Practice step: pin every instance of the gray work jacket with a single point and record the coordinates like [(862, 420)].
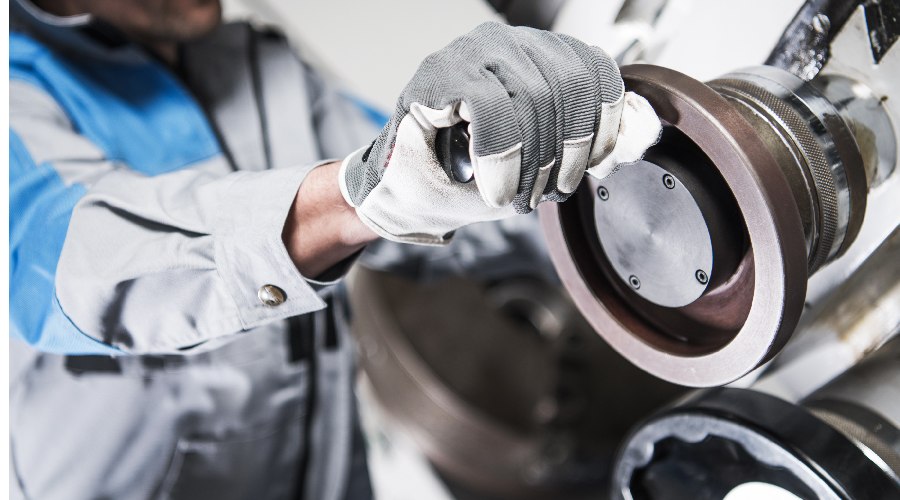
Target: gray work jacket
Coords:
[(146, 214)]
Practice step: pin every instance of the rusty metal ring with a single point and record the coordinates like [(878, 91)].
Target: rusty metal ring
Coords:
[(771, 216), (441, 421), (501, 407)]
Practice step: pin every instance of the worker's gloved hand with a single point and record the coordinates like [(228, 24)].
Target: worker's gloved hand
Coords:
[(541, 108)]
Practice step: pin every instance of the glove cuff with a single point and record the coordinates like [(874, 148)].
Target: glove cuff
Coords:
[(351, 159), (414, 239)]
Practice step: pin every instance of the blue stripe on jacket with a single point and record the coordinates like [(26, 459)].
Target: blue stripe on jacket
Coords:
[(137, 114), (40, 207)]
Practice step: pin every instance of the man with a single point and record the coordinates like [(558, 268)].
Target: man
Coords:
[(175, 234)]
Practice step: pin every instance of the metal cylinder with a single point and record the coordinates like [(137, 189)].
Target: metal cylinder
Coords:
[(815, 148), (771, 176), (865, 114), (841, 442)]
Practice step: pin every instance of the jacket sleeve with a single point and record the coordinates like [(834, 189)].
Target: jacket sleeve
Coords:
[(106, 260)]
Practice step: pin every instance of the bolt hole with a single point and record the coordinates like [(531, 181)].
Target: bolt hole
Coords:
[(669, 181), (634, 282), (701, 276)]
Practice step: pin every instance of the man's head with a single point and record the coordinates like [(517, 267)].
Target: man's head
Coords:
[(149, 21)]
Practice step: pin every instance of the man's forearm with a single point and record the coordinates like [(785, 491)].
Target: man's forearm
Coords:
[(322, 229)]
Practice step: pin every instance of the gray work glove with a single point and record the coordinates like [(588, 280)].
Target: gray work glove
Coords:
[(542, 108)]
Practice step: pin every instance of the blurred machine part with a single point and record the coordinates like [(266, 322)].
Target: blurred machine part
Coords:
[(503, 385), (678, 33), (538, 14), (694, 263), (858, 316), (842, 441), (634, 30)]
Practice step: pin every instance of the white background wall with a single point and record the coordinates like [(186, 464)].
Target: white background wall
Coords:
[(374, 46)]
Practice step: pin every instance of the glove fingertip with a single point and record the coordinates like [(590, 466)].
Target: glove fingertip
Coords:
[(640, 125), (575, 159), (497, 175)]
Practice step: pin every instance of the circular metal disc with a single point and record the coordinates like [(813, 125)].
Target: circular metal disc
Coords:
[(771, 217), (654, 235)]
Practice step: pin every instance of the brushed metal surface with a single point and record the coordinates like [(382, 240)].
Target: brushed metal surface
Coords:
[(654, 233)]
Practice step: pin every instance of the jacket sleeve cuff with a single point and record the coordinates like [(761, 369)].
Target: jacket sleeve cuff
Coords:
[(250, 253)]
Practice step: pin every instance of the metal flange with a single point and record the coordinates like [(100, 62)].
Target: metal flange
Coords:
[(746, 319)]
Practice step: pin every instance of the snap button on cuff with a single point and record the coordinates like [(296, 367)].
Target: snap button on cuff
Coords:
[(271, 295)]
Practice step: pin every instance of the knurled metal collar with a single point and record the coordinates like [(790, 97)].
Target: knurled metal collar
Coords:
[(832, 157), (822, 176)]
